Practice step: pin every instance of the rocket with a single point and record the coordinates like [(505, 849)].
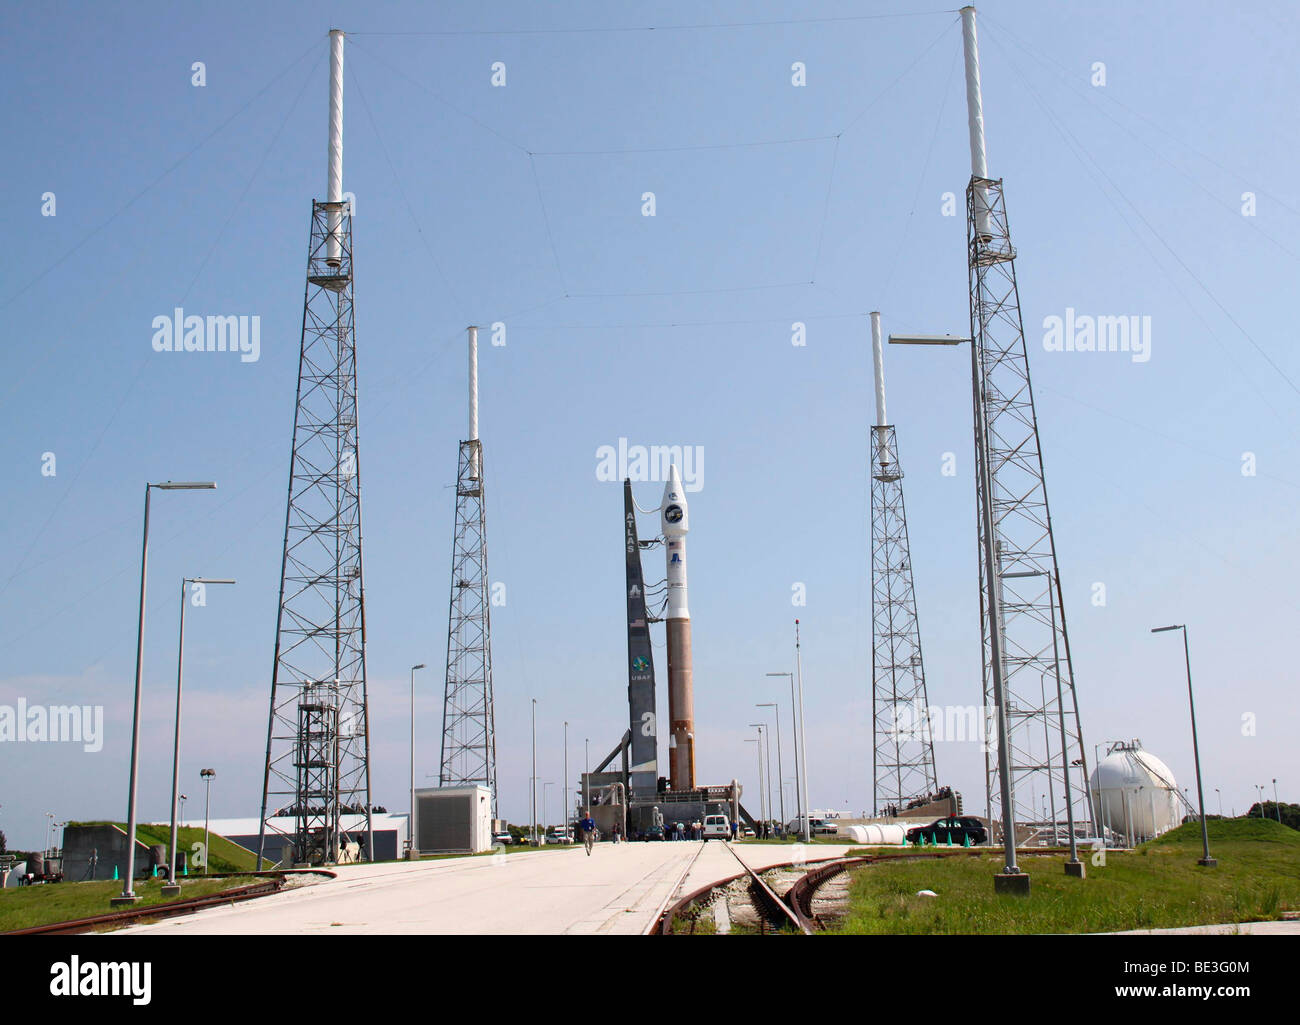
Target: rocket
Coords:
[(675, 523)]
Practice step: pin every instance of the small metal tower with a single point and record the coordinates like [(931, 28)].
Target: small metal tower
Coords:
[(469, 753), (318, 744), (1027, 660), (903, 766)]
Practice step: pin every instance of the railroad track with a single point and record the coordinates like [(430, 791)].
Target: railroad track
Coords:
[(796, 907), (272, 882)]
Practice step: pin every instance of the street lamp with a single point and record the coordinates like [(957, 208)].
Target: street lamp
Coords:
[(780, 774), (1205, 858), (1219, 793), (533, 786), (1259, 788), (764, 789), (759, 749), (128, 895), (410, 818), (566, 775), (803, 736), (173, 888), (1277, 808), (207, 776), (798, 800)]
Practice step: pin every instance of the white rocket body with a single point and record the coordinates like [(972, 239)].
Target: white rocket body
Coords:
[(334, 187), (674, 522)]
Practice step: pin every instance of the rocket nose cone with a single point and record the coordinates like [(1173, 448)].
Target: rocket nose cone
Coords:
[(672, 510)]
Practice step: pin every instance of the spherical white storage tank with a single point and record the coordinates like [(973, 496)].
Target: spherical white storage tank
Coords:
[(1134, 793)]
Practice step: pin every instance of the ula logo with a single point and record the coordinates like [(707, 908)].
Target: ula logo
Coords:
[(72, 978), (181, 333)]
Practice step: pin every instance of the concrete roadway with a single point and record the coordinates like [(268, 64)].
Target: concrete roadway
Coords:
[(620, 888)]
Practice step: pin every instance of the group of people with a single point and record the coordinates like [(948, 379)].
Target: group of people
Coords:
[(681, 831)]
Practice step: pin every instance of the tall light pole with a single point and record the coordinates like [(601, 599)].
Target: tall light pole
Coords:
[(780, 774), (207, 776), (1205, 858), (566, 775), (533, 787), (764, 780), (798, 799), (759, 742), (586, 775), (1219, 794), (1277, 808), (802, 753), (1259, 789), (128, 895), (172, 888), (410, 818)]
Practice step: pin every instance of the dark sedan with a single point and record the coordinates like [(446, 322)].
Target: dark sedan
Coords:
[(954, 830)]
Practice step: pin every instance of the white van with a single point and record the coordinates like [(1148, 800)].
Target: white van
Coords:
[(717, 827)]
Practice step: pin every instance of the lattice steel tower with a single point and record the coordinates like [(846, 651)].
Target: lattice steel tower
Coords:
[(1027, 660), (318, 744), (903, 765), (469, 751)]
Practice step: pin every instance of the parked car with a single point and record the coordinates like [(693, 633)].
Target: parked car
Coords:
[(558, 835), (504, 838), (746, 833), (952, 830), (717, 827)]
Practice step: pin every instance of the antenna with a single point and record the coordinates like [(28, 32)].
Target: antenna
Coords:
[(903, 761), (316, 781), (1025, 641), (468, 717)]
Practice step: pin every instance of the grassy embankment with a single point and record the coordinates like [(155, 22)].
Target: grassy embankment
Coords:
[(1158, 885)]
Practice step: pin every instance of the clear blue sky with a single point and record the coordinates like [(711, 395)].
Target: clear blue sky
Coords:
[(1124, 199)]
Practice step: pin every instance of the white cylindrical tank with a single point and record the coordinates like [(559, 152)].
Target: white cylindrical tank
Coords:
[(875, 834), (1134, 793)]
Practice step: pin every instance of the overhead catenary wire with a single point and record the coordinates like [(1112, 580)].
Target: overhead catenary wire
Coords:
[(162, 175), (1082, 152), (590, 29), (146, 359)]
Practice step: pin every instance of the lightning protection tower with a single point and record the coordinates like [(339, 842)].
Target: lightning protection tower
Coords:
[(903, 766), (318, 743), (469, 753), (1028, 676)]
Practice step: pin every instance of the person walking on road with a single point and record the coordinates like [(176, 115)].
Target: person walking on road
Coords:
[(588, 827)]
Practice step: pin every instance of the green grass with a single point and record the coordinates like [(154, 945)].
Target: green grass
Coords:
[(223, 856), (26, 906), (1159, 885)]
